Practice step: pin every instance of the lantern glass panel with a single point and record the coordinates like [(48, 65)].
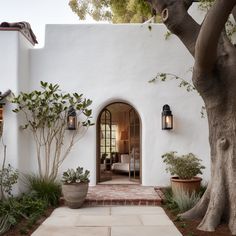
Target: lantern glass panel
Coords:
[(167, 122), (72, 122)]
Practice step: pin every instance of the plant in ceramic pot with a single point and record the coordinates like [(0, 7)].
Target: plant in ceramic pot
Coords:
[(75, 186), (184, 169)]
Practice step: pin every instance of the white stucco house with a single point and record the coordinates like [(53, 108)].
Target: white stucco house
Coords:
[(110, 64)]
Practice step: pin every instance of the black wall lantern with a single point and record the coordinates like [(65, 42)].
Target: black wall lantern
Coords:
[(71, 119), (167, 118)]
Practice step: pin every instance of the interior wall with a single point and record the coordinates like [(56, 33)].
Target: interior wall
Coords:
[(122, 120)]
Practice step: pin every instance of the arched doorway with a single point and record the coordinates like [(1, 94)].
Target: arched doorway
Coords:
[(119, 145)]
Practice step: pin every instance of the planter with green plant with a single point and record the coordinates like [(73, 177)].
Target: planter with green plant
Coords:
[(184, 169), (75, 186)]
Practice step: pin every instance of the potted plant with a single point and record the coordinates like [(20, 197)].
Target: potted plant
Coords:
[(75, 186), (184, 169)]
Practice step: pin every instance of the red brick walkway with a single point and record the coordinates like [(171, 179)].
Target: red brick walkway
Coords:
[(122, 195)]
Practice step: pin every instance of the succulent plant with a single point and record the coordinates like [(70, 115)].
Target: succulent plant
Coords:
[(75, 176)]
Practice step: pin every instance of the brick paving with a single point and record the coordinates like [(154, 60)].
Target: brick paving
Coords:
[(107, 195)]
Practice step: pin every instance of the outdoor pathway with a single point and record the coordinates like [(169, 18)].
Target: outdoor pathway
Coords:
[(122, 195), (108, 221)]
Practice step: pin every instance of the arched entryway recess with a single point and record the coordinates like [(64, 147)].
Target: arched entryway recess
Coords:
[(119, 159)]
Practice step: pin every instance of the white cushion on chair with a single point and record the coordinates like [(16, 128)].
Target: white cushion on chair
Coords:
[(124, 158)]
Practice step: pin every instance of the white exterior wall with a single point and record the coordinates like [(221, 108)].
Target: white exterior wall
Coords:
[(14, 67), (109, 63)]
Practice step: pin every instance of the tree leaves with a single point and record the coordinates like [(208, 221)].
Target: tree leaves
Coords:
[(182, 82), (43, 108), (117, 11)]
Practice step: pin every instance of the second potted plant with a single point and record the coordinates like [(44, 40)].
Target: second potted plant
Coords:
[(184, 169), (75, 186)]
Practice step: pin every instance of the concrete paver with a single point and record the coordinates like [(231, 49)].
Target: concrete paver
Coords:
[(65, 221), (155, 220), (145, 231), (62, 211), (108, 221), (46, 230), (137, 210)]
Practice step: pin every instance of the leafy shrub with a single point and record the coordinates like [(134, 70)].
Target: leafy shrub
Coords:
[(13, 210), (169, 201), (75, 176), (45, 189), (184, 166), (8, 177)]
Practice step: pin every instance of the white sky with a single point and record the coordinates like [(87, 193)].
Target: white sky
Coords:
[(38, 13)]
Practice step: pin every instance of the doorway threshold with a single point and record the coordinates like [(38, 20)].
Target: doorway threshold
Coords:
[(121, 179)]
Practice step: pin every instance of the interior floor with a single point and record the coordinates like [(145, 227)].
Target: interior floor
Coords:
[(121, 179)]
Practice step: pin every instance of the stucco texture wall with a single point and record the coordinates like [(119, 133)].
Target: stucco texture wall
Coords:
[(110, 63)]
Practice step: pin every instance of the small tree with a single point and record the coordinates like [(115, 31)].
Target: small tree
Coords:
[(45, 114)]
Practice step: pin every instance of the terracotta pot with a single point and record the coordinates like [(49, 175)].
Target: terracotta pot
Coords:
[(188, 185), (75, 194)]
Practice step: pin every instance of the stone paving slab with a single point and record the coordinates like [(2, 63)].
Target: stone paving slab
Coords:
[(108, 221), (137, 210), (45, 230), (155, 220), (62, 211), (145, 231)]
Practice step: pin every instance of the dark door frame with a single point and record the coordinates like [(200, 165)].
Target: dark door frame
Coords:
[(98, 140)]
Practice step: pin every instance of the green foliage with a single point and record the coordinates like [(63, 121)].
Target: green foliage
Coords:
[(167, 35), (75, 176), (184, 200), (202, 189), (45, 189), (182, 84), (45, 108), (169, 201), (8, 177), (13, 210), (184, 166), (117, 11), (4, 224), (168, 76), (45, 113), (205, 5)]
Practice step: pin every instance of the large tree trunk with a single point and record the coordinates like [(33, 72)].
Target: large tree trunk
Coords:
[(214, 76)]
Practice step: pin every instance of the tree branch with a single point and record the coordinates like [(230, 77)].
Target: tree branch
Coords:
[(208, 39), (178, 21)]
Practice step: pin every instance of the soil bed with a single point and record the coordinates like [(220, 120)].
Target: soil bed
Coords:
[(189, 228)]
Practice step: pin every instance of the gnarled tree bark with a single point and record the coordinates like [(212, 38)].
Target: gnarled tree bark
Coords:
[(214, 76)]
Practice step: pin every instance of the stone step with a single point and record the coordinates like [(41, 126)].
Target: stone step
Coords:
[(136, 195)]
